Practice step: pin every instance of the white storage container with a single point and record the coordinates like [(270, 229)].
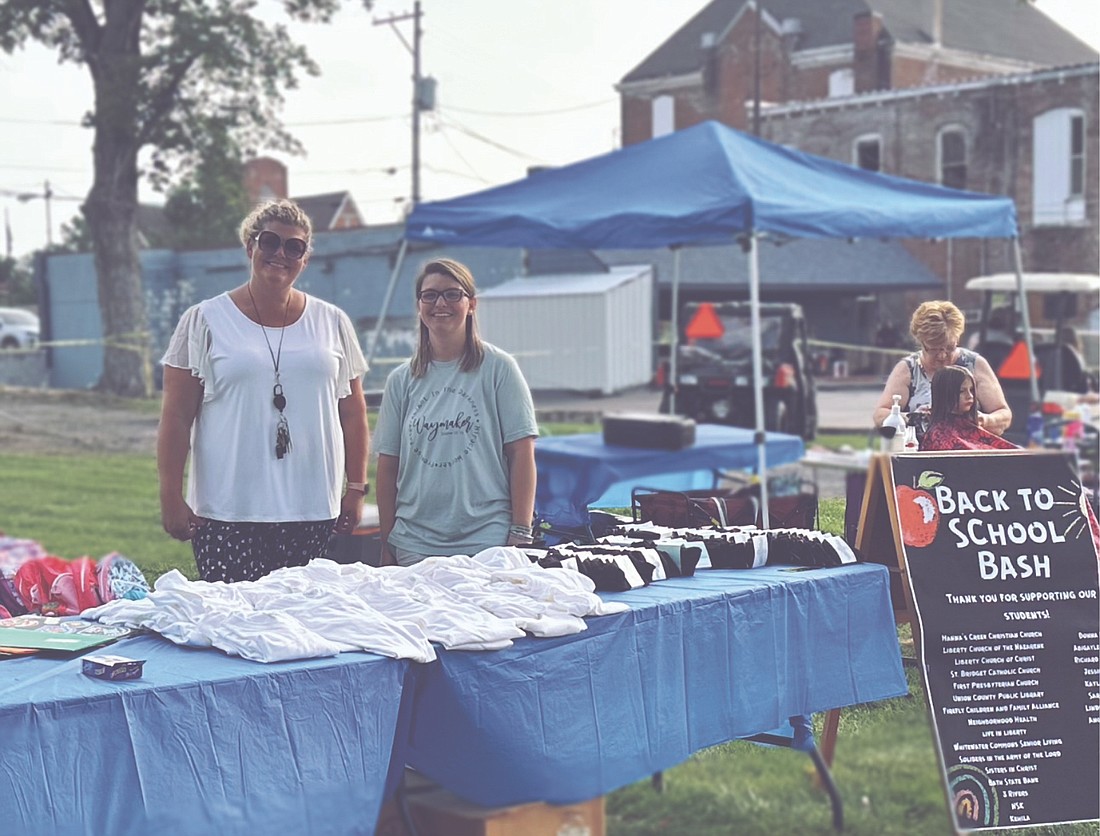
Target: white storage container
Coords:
[(589, 332)]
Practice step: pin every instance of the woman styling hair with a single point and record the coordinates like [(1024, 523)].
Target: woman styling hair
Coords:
[(262, 387), (937, 327)]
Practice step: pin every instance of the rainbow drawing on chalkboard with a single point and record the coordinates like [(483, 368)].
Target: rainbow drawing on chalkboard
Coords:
[(917, 511), (973, 798)]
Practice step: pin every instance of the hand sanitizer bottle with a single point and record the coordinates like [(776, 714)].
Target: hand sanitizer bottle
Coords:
[(893, 442)]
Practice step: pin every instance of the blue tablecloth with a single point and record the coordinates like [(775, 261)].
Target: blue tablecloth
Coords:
[(697, 661), (208, 743), (578, 471), (204, 743)]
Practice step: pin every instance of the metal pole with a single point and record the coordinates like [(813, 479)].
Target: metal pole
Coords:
[(760, 437), (1025, 314), (672, 378), (47, 194), (386, 300), (417, 32)]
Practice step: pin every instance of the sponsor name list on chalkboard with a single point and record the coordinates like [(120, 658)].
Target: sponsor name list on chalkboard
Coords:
[(1003, 571)]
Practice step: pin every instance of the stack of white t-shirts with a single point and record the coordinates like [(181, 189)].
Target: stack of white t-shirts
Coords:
[(324, 608)]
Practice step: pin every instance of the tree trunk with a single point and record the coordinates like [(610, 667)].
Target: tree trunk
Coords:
[(111, 208), (126, 366)]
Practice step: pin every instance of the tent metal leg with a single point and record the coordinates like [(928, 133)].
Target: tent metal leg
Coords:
[(830, 787)]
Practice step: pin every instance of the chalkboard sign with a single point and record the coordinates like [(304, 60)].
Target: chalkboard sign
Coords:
[(1002, 571)]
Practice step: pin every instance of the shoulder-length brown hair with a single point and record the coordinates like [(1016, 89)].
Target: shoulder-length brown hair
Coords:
[(474, 352), (947, 383)]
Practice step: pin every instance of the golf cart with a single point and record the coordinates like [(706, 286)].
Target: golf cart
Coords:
[(1061, 365), (714, 367)]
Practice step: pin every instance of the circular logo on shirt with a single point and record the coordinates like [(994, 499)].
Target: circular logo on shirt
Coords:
[(444, 426)]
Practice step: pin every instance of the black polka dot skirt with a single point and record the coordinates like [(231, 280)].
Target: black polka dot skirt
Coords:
[(245, 551)]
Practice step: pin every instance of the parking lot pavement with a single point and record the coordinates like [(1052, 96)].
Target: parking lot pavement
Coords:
[(840, 408)]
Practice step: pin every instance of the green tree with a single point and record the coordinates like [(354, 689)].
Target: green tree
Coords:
[(75, 236), (163, 72), (206, 208), (16, 283)]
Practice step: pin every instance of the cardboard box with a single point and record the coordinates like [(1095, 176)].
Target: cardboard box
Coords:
[(112, 667), (436, 812)]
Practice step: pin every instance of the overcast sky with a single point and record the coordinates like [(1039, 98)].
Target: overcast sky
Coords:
[(520, 83)]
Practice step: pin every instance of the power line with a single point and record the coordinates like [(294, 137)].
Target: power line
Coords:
[(9, 120), (454, 123), (351, 120), (507, 114)]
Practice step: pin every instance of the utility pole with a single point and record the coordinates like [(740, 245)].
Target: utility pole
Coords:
[(423, 89), (46, 195)]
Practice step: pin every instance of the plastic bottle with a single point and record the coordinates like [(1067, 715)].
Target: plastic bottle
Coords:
[(1071, 432), (893, 442), (911, 445)]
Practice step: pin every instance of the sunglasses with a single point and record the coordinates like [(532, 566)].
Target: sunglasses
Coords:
[(451, 294), (269, 244)]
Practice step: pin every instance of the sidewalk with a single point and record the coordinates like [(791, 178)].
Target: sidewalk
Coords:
[(844, 405)]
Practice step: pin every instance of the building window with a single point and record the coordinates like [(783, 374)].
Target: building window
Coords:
[(952, 155), (1058, 167), (663, 115), (867, 153), (1077, 155), (841, 83)]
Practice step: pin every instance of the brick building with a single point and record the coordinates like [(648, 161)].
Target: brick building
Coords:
[(986, 95)]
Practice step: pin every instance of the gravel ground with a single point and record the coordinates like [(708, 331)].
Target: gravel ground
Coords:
[(58, 421)]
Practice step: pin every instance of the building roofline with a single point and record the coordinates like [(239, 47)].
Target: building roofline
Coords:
[(953, 88)]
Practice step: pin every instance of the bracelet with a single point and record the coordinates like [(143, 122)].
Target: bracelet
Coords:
[(522, 531), (362, 487)]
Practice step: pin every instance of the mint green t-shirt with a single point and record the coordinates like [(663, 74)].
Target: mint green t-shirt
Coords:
[(448, 429)]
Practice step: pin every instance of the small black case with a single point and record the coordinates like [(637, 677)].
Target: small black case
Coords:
[(655, 432)]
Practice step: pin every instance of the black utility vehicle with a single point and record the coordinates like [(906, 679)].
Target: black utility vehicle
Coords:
[(714, 367)]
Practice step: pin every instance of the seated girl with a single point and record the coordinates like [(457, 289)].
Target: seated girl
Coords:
[(954, 421)]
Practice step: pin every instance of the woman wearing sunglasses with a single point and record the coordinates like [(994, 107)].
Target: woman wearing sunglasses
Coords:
[(455, 434), (262, 386), (937, 327)]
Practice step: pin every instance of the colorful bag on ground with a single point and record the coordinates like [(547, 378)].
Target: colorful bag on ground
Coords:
[(35, 584), (75, 589), (119, 577), (10, 599)]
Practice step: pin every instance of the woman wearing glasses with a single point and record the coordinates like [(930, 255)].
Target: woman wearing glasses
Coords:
[(262, 385), (936, 327), (455, 434)]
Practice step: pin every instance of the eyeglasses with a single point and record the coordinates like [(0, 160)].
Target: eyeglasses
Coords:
[(946, 351), (451, 294), (269, 244)]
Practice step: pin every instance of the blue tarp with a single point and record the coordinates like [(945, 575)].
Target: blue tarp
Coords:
[(703, 185)]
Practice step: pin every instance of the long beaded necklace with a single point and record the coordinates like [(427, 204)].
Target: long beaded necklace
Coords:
[(278, 400)]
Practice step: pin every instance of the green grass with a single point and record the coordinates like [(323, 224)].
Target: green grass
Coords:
[(90, 505), (885, 764)]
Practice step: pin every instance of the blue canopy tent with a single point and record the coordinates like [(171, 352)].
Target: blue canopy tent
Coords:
[(709, 184)]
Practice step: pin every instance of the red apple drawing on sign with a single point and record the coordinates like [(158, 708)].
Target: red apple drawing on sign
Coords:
[(920, 518)]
